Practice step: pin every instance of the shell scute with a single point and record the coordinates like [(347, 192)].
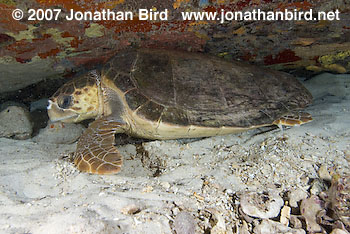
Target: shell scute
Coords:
[(154, 77), (150, 111), (123, 82), (124, 61), (175, 116), (134, 99)]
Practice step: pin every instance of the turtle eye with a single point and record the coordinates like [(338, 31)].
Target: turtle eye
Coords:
[(64, 101)]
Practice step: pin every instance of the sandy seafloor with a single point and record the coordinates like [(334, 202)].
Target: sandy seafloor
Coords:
[(41, 192)]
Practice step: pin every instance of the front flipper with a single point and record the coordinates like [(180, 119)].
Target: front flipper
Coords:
[(95, 151)]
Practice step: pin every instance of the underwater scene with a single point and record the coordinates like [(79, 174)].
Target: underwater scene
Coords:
[(174, 116)]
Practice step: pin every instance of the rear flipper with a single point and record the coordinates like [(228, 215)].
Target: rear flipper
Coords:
[(293, 119)]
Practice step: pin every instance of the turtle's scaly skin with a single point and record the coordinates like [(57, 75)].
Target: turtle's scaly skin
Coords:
[(96, 152), (159, 94)]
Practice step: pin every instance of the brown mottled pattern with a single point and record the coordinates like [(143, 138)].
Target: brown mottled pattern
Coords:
[(95, 151), (293, 119), (79, 83)]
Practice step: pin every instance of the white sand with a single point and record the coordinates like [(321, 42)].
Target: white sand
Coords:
[(41, 192)]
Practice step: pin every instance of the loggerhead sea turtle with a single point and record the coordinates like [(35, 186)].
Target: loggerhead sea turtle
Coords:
[(161, 94)]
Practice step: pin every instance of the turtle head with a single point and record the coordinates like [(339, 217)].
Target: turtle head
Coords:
[(77, 100)]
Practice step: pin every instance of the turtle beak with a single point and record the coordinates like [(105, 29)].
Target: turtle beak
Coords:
[(58, 114), (49, 105)]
